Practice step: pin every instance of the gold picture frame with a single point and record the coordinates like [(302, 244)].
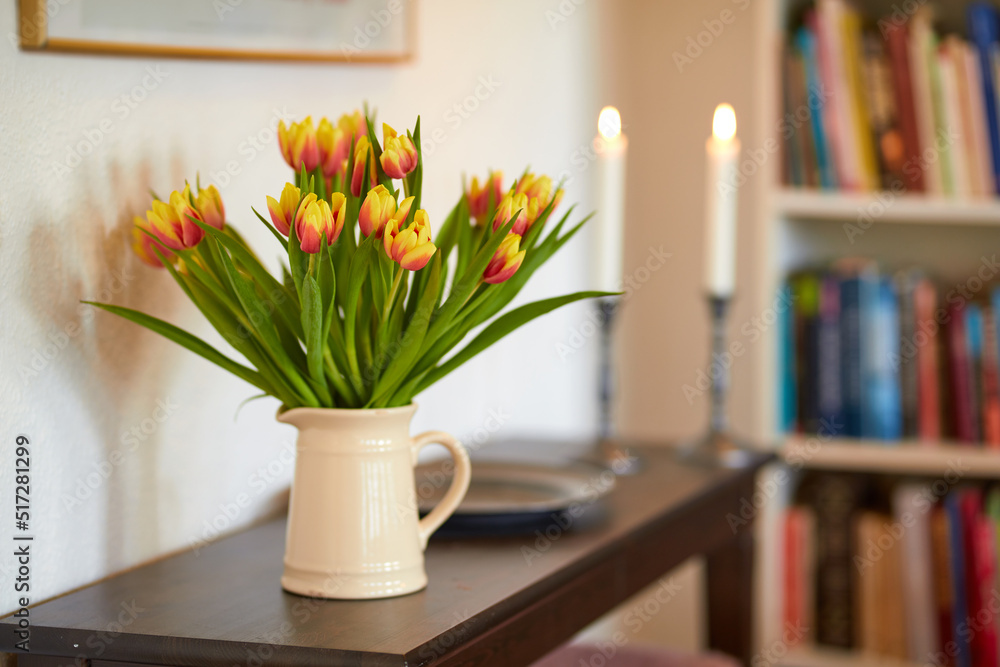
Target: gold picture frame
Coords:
[(397, 17)]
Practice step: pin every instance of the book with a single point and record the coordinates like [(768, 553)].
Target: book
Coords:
[(941, 558), (788, 383), (928, 355), (833, 65), (887, 137), (990, 368), (805, 41), (912, 509), (948, 111), (897, 47), (881, 413), (960, 379), (978, 124), (956, 561), (799, 569), (858, 97), (858, 296), (921, 50), (907, 359), (805, 292), (985, 36), (835, 499), (829, 400)]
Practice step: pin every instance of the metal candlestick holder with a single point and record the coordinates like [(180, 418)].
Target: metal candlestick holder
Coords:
[(613, 454), (717, 448)]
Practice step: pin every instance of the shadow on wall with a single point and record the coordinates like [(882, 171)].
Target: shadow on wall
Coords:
[(106, 361)]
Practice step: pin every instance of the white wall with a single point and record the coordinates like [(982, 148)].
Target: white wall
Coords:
[(77, 384)]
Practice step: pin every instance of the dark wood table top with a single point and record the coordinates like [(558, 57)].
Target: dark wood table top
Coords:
[(225, 606)]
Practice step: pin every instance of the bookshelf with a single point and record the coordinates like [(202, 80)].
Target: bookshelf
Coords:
[(793, 227), (908, 209), (900, 458)]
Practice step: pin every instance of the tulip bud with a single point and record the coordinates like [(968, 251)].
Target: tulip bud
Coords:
[(411, 247), (538, 190), (209, 205), (298, 144), (479, 197), (362, 152), (510, 204), (505, 262), (353, 125), (377, 209), (172, 222), (316, 220), (300, 213), (399, 155), (338, 208), (143, 245), (283, 211), (333, 145)]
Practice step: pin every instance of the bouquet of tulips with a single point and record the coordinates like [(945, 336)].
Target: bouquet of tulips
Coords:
[(370, 306)]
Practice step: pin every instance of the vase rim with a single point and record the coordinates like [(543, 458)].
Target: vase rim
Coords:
[(287, 416)]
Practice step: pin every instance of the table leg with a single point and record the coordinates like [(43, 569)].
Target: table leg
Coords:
[(729, 574)]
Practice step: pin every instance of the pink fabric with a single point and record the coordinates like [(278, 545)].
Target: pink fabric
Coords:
[(609, 655)]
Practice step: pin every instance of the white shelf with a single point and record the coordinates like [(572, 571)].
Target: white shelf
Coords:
[(831, 657), (904, 457), (805, 204)]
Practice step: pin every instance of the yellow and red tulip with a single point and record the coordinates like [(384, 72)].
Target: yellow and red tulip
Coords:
[(315, 221), (209, 205), (299, 145), (538, 190), (479, 196), (399, 155), (506, 260), (410, 247), (143, 244), (378, 208), (363, 154), (333, 146), (509, 205), (283, 210), (172, 223)]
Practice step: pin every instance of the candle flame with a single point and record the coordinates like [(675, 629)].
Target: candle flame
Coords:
[(609, 123), (724, 122)]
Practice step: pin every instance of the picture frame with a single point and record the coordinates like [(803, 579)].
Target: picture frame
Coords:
[(362, 31)]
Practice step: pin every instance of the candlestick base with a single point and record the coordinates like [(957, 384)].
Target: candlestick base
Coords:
[(716, 450)]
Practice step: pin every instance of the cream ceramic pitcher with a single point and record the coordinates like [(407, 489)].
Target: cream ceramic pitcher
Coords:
[(353, 527)]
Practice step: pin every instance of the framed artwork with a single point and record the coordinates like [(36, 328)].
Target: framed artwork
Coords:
[(322, 30)]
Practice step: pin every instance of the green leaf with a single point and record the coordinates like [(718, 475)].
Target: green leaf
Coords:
[(409, 346), (358, 272), (502, 326), (191, 342), (278, 235), (312, 325)]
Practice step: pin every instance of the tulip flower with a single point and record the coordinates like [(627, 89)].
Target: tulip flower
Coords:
[(333, 146), (505, 262), (172, 223), (315, 221), (538, 190), (353, 126), (283, 211), (410, 247), (479, 197), (143, 244), (209, 205), (399, 155), (404, 210), (299, 145), (362, 152), (510, 204), (378, 208)]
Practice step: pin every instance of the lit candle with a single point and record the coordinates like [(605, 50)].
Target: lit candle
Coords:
[(723, 151), (611, 146)]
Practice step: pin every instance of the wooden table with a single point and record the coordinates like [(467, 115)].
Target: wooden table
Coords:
[(489, 602)]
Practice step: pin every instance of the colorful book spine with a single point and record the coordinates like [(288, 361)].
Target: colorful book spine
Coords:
[(896, 37), (830, 403), (985, 35), (960, 609), (805, 40)]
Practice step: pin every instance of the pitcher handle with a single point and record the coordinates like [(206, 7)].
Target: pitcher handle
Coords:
[(459, 481)]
